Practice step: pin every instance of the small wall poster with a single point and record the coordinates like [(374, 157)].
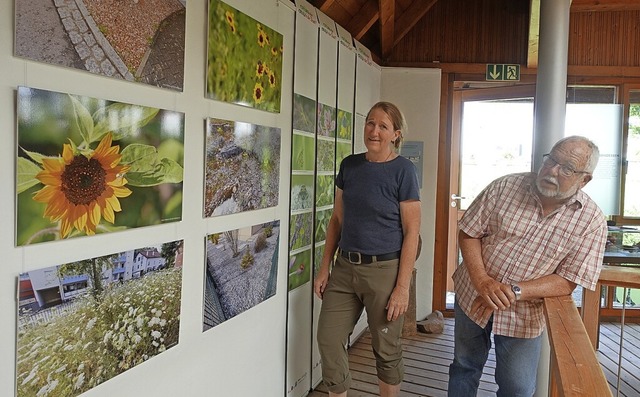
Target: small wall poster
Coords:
[(413, 150)]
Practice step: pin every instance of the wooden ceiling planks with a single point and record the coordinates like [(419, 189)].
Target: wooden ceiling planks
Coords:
[(603, 32)]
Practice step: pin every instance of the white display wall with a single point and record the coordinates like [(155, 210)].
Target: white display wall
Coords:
[(417, 94), (268, 350), (326, 75), (244, 356)]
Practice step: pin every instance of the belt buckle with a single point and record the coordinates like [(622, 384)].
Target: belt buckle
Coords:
[(357, 255)]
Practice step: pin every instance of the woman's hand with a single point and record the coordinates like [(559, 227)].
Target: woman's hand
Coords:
[(321, 281), (398, 303)]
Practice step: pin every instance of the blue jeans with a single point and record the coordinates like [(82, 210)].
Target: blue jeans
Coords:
[(516, 360)]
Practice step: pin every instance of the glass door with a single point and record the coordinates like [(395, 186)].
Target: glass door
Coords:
[(492, 135)]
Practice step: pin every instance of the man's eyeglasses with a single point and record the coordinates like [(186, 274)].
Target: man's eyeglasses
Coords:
[(565, 170)]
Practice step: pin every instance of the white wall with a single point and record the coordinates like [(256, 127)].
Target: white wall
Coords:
[(417, 93), (242, 357)]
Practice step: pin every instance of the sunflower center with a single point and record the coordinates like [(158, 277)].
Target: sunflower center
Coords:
[(83, 180)]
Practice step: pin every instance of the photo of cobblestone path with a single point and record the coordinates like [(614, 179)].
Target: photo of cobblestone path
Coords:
[(134, 40)]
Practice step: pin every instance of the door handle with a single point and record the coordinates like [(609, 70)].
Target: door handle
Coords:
[(455, 197)]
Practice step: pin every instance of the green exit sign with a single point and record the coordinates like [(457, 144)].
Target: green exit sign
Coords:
[(503, 72)]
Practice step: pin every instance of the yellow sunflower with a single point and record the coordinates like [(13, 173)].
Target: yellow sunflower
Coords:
[(262, 38), (81, 189), (260, 69), (230, 20), (272, 79), (258, 93)]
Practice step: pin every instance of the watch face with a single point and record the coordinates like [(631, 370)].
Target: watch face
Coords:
[(516, 290)]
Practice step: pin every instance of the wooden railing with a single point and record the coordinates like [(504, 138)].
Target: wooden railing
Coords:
[(574, 367)]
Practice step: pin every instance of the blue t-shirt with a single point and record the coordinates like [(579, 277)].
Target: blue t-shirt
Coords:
[(371, 196)]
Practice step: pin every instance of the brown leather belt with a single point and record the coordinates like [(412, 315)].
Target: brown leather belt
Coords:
[(357, 258)]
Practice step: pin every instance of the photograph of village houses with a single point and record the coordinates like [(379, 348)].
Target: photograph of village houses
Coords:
[(82, 323)]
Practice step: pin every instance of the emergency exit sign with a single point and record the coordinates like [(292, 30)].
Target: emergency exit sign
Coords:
[(503, 72)]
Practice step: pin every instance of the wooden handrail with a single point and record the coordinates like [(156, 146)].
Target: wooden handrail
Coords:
[(574, 369)]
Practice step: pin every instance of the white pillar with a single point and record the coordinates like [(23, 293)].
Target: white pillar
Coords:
[(549, 113), (551, 83)]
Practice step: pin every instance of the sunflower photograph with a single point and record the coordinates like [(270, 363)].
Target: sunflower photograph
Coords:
[(87, 166)]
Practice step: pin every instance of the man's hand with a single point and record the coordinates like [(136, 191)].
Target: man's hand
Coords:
[(480, 307), (497, 295), (398, 303)]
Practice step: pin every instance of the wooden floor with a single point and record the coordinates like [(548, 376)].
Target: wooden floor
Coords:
[(427, 358)]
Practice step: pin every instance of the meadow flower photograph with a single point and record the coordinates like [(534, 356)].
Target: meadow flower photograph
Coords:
[(242, 167), (87, 166), (83, 323), (326, 120), (345, 125), (304, 113), (301, 192), (240, 271), (244, 59), (300, 230)]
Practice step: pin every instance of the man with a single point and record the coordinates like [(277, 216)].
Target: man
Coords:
[(525, 237)]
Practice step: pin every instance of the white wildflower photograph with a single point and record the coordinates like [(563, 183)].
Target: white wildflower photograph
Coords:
[(82, 323)]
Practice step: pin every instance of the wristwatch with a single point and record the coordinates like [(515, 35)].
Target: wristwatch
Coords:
[(516, 290)]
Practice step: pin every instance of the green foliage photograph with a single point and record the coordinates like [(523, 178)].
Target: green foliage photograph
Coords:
[(299, 269), (324, 190), (303, 152)]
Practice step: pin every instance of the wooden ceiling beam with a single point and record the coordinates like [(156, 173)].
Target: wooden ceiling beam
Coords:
[(323, 5), (602, 5), (387, 11), (410, 18), (364, 19)]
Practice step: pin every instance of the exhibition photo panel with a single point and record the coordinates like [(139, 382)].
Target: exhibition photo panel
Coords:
[(87, 165), (241, 271), (140, 41), (82, 323), (242, 167), (244, 59)]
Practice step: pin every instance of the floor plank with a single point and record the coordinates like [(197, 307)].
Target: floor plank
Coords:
[(427, 358)]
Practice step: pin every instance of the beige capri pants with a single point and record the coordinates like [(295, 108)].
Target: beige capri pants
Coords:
[(351, 289)]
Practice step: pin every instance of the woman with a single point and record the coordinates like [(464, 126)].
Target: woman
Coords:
[(373, 235)]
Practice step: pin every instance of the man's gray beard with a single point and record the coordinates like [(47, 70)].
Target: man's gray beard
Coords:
[(555, 193)]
